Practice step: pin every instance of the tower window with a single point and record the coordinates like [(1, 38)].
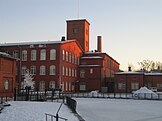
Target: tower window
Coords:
[(75, 30)]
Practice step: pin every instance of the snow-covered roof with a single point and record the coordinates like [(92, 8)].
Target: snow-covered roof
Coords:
[(36, 42), (89, 57), (90, 52), (129, 72), (89, 65), (134, 72), (6, 55), (152, 74)]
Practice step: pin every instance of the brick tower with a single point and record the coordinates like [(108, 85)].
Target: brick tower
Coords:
[(79, 30)]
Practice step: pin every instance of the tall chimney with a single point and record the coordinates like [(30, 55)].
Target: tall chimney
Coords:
[(99, 43), (63, 38)]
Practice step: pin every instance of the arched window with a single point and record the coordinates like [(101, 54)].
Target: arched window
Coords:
[(33, 70), (52, 70), (42, 70), (42, 85), (6, 85), (52, 54), (24, 55), (23, 70), (43, 54), (52, 84), (33, 55)]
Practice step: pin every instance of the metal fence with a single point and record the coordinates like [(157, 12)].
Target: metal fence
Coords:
[(55, 95), (71, 103)]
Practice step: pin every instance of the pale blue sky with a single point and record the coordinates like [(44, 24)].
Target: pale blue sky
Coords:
[(131, 30)]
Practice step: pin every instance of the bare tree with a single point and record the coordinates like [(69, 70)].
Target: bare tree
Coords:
[(147, 65), (150, 65)]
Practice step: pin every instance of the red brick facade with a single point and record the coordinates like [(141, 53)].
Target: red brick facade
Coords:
[(127, 82), (67, 55), (7, 76), (79, 30), (96, 70)]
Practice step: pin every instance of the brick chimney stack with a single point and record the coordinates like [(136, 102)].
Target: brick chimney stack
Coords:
[(99, 43)]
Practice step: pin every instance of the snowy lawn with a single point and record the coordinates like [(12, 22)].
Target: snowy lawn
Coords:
[(119, 109), (34, 111)]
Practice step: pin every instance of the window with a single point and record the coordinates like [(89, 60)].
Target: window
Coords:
[(33, 55), (67, 56), (63, 70), (72, 72), (69, 86), (70, 57), (69, 71), (78, 61), (75, 30), (66, 86), (82, 86), (82, 74), (52, 84), (6, 85), (134, 86), (52, 70), (33, 70), (53, 54), (91, 70), (63, 55), (159, 86), (43, 54), (42, 70), (15, 55), (24, 55), (75, 59), (75, 73), (121, 86), (66, 71), (23, 70), (41, 85)]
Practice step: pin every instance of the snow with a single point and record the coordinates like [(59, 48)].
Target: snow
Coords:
[(94, 94), (34, 111), (88, 57), (144, 92), (119, 109), (36, 42), (91, 109)]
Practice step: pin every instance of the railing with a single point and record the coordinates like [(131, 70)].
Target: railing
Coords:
[(57, 115), (52, 117), (71, 103), (35, 95)]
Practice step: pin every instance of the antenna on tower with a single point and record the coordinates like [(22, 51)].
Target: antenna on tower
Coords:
[(78, 10)]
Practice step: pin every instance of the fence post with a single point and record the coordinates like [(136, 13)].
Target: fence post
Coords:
[(57, 117), (37, 94), (15, 94)]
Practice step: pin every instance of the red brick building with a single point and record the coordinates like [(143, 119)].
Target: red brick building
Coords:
[(126, 82), (96, 72), (59, 64), (53, 64), (7, 75)]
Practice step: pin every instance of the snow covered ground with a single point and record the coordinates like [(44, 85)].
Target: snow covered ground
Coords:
[(34, 111), (91, 109), (119, 109)]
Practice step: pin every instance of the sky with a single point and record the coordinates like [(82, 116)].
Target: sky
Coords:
[(131, 30)]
